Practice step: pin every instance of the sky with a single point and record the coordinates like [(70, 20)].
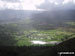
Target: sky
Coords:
[(29, 4)]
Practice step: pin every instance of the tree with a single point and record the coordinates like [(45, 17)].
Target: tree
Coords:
[(6, 36)]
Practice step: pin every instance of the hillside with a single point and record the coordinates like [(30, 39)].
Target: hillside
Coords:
[(68, 45)]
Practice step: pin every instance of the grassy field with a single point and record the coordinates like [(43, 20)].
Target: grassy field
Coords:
[(22, 34), (46, 36)]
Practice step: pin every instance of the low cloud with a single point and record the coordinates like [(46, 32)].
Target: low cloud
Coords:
[(31, 4), (12, 0)]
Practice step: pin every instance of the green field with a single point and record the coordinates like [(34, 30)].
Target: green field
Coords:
[(22, 34), (47, 36)]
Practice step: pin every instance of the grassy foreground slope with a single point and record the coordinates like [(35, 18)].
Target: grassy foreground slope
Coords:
[(67, 46)]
